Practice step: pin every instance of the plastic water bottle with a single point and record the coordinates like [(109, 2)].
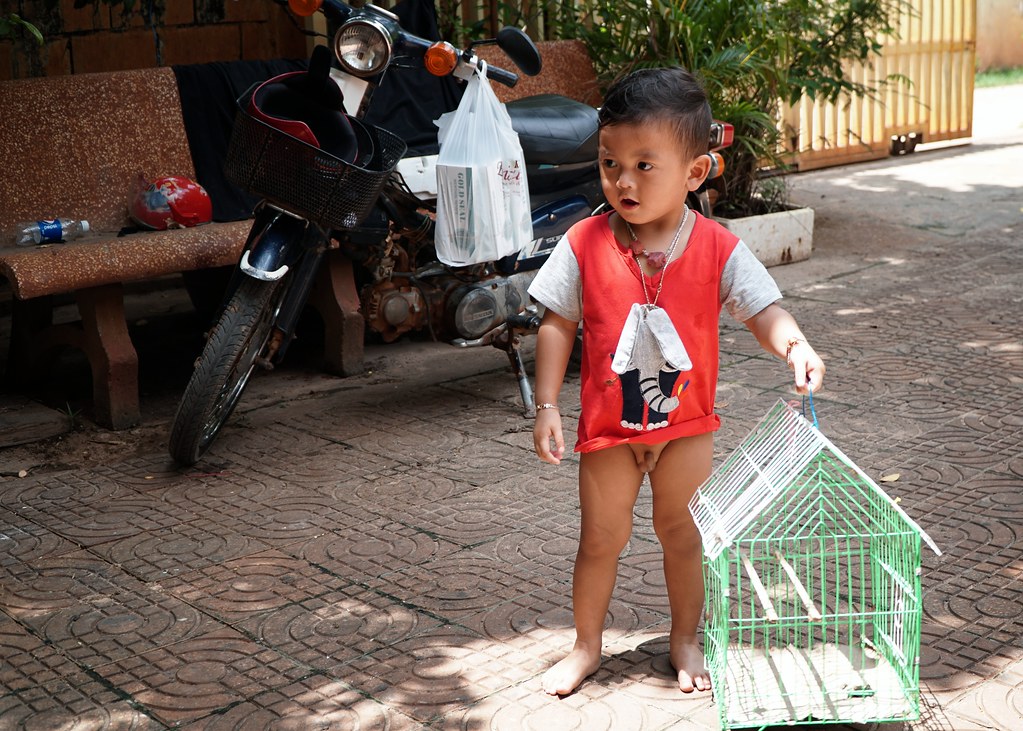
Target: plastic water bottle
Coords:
[(52, 231)]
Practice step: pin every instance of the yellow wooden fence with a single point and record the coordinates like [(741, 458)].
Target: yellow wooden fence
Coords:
[(935, 52)]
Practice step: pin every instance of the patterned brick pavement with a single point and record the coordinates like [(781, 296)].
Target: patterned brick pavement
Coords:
[(390, 555)]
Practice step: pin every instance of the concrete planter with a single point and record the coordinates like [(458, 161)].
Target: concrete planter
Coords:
[(775, 238)]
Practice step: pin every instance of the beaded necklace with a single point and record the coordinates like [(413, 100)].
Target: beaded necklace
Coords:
[(656, 259)]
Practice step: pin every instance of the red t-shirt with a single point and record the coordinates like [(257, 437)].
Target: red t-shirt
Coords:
[(621, 409)]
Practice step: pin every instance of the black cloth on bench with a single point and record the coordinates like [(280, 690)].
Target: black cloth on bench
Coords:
[(209, 94)]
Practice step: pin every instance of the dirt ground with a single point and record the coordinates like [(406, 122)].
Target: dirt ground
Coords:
[(78, 443), (51, 428)]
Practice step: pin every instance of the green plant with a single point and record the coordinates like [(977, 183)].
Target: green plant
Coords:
[(753, 56), (73, 416), (12, 22), (999, 77), (773, 190)]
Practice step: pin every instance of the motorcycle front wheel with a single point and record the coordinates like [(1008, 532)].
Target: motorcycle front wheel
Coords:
[(221, 373)]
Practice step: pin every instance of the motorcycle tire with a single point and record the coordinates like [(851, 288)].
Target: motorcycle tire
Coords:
[(222, 371)]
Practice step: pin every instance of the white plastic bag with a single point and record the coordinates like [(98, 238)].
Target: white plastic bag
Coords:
[(482, 195)]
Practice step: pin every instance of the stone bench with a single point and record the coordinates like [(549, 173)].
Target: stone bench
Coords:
[(80, 141), (567, 71)]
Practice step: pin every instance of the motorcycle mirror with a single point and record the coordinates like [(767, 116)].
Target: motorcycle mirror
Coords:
[(520, 49)]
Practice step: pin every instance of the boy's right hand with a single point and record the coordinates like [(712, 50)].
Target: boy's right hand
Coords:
[(547, 429)]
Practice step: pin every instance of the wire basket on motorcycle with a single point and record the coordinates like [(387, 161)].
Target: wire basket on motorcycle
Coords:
[(293, 145)]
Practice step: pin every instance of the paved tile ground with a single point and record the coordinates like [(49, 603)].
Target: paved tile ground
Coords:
[(385, 552)]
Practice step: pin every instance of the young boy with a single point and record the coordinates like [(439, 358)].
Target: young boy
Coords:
[(648, 281)]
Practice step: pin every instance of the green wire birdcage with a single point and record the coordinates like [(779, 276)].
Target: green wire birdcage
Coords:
[(812, 577)]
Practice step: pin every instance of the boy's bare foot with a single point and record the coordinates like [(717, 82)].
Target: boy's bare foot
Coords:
[(566, 675), (687, 660)]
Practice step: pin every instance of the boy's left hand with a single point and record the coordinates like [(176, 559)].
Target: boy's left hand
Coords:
[(547, 431), (807, 367)]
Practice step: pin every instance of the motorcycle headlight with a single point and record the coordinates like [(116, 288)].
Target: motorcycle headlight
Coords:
[(362, 47)]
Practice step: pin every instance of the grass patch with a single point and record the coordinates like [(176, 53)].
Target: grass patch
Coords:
[(999, 77)]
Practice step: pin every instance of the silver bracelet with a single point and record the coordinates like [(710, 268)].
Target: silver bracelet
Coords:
[(541, 407)]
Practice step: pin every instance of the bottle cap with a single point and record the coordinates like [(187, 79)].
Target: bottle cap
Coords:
[(85, 227)]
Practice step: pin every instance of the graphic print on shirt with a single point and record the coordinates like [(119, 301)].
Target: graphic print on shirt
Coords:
[(649, 359)]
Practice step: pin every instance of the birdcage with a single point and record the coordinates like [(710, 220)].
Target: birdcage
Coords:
[(812, 576)]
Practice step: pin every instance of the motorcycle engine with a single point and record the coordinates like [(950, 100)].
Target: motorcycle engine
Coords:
[(394, 307), (444, 304), (474, 310), (401, 297)]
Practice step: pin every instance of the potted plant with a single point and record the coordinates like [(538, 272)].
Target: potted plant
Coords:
[(753, 56)]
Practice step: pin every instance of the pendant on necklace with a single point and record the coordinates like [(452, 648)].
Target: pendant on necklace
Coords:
[(654, 258)]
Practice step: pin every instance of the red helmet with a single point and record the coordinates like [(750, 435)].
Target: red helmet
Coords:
[(169, 202), (309, 105)]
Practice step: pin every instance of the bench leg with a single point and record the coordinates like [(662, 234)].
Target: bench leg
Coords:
[(336, 299), (102, 335), (115, 364)]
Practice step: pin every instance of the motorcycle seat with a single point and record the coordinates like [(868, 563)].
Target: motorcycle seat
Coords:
[(554, 130)]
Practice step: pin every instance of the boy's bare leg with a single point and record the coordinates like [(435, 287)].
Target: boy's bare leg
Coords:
[(682, 467), (609, 482)]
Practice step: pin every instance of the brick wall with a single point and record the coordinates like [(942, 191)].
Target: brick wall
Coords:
[(99, 37)]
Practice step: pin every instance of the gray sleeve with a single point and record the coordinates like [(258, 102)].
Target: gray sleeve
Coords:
[(558, 286), (746, 287)]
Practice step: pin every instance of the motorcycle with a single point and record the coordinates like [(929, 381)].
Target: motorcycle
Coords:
[(332, 183)]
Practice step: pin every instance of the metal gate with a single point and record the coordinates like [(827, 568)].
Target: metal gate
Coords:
[(935, 52)]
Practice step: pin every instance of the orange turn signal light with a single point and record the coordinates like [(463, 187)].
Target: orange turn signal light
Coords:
[(304, 8), (441, 58), (718, 168)]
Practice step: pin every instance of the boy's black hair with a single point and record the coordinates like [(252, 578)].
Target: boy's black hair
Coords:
[(670, 94)]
